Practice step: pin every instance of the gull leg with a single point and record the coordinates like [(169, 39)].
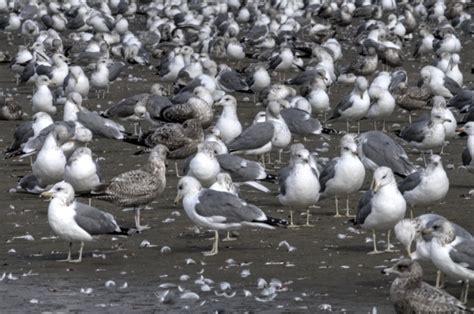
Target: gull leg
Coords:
[(269, 158), (68, 259), (228, 237), (374, 239), (358, 127), (347, 126), (439, 279), (375, 125), (465, 292), (308, 215), (348, 210), (137, 220), (280, 152), (411, 213), (214, 250), (409, 117), (383, 126), (389, 245), (291, 225), (337, 208), (176, 170), (79, 259)]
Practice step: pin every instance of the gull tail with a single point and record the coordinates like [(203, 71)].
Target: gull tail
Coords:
[(257, 186), (270, 178), (274, 222), (330, 131), (124, 231)]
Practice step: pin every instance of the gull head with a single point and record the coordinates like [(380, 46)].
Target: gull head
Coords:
[(405, 268), (442, 230), (348, 145), (62, 191), (187, 186), (383, 176)]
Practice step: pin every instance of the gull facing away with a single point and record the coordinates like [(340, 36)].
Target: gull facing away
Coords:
[(299, 184), (220, 210), (139, 187), (74, 221), (381, 207), (343, 175), (410, 294), (452, 255)]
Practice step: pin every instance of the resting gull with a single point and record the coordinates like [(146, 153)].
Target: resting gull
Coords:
[(220, 210), (381, 207), (49, 165), (299, 183), (139, 187), (10, 109), (281, 134), (343, 175), (204, 165), (43, 98), (427, 186), (377, 149), (81, 171), (410, 294), (452, 255), (74, 221)]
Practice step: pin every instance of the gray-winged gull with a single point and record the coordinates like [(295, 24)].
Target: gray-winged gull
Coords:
[(81, 171), (255, 140), (220, 210), (74, 221), (438, 83), (377, 149), (228, 122), (381, 207), (299, 184), (76, 81), (427, 186), (410, 294), (281, 134), (204, 165), (381, 106), (354, 106), (343, 175), (136, 188), (48, 167), (42, 99), (452, 255)]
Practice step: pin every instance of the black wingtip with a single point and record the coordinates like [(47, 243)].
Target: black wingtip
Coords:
[(276, 222), (330, 131), (270, 178)]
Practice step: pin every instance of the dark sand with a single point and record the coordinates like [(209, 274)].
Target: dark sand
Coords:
[(329, 266)]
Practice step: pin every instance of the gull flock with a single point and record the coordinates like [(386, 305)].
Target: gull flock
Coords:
[(278, 64)]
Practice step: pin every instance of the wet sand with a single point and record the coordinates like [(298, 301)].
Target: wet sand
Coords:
[(330, 266)]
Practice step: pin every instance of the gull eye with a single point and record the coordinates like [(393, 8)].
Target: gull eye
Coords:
[(180, 187), (384, 176)]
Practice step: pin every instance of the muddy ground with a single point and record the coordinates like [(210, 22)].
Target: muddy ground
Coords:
[(328, 269)]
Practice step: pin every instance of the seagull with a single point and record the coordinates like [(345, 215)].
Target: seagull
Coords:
[(10, 109), (354, 106), (438, 83), (281, 134), (451, 255), (74, 221), (426, 186), (381, 106), (220, 210), (381, 207), (138, 187), (104, 74), (204, 166), (426, 134), (43, 98), (49, 165), (468, 152), (411, 98), (410, 294), (81, 171), (343, 175), (76, 81), (299, 184), (377, 149), (228, 122)]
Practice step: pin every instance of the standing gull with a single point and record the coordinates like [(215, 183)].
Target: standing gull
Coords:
[(139, 187), (452, 255), (81, 171), (228, 122), (468, 152), (410, 294), (48, 167), (381, 207), (299, 185), (220, 210), (74, 221), (343, 175), (426, 186), (204, 166)]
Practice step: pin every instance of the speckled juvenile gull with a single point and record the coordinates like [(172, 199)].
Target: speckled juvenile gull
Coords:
[(377, 149), (73, 221), (343, 175), (452, 255), (411, 98), (194, 108), (136, 188), (410, 294), (220, 210), (427, 186), (10, 109), (381, 207), (81, 171), (299, 184)]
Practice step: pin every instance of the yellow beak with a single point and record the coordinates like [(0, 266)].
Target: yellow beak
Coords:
[(375, 186), (177, 199), (46, 194)]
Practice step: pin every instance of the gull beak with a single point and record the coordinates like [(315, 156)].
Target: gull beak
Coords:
[(427, 231), (387, 271), (375, 186), (306, 160), (355, 153), (177, 199), (46, 194), (460, 130), (447, 120)]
